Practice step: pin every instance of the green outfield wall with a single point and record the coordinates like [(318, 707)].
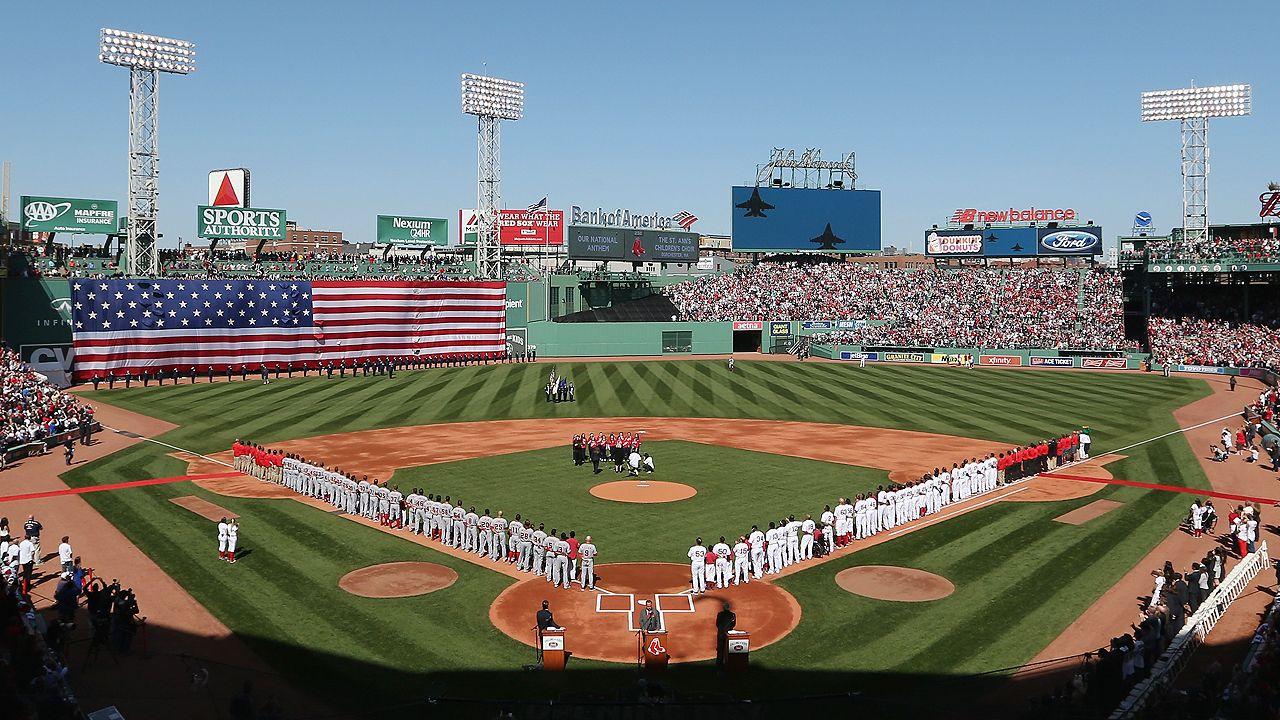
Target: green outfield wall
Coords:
[(36, 319), (554, 339)]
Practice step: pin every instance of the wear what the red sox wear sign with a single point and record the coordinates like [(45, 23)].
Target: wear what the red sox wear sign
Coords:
[(966, 216), (518, 227)]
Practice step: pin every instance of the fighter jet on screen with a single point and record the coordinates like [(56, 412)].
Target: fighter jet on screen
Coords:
[(755, 207), (827, 240)]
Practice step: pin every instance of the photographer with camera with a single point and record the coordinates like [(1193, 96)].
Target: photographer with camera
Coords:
[(125, 620)]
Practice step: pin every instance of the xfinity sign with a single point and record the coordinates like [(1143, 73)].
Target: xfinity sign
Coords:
[(622, 218), (240, 223)]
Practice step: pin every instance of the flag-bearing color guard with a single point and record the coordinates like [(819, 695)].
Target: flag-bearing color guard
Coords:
[(124, 326)]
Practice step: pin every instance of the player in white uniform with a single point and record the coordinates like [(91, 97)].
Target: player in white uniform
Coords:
[(756, 540), (724, 569), (563, 574), (807, 528), (538, 542), (793, 540), (394, 517), (549, 557), (472, 522), (222, 539), (741, 570), (697, 560), (233, 533), (484, 535), (587, 566), (773, 546), (363, 486), (498, 547), (459, 525)]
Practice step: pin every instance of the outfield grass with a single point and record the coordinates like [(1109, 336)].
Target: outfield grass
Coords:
[(1021, 578)]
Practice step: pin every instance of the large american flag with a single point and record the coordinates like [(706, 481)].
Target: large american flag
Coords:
[(129, 326)]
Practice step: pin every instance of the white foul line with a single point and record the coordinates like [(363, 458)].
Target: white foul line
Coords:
[(175, 447)]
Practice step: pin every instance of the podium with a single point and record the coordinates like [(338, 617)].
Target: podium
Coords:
[(654, 650), (739, 648), (552, 647)]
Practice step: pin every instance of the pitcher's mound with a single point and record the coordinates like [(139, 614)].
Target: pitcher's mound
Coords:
[(639, 490), (398, 579), (899, 584)]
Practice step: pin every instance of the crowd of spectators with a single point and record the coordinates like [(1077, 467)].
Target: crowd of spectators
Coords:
[(1263, 248), (1199, 341), (31, 408), (922, 307)]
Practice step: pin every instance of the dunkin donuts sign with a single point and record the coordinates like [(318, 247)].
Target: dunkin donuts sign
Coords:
[(1001, 360)]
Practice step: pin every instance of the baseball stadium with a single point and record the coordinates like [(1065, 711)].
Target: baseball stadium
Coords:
[(592, 460)]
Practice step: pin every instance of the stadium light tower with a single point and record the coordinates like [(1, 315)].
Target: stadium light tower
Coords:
[(1193, 107), (146, 56), (491, 100)]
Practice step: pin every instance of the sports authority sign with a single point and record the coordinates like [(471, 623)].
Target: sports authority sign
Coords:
[(518, 227), (240, 223), (69, 215), (1001, 360), (412, 231), (229, 188), (630, 220), (965, 216)]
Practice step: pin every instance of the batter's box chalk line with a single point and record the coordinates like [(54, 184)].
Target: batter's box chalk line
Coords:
[(675, 603)]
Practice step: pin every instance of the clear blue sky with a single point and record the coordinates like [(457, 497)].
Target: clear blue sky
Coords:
[(346, 110)]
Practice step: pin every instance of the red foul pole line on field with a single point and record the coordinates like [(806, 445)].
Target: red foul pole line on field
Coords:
[(116, 486), (1157, 486)]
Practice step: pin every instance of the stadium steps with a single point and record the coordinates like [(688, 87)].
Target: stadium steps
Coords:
[(1080, 276)]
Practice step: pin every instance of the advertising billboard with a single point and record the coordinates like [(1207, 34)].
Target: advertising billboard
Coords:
[(1005, 242), (767, 219), (593, 243), (240, 223), (69, 215), (518, 227), (229, 188), (407, 231), (1070, 241), (1039, 361)]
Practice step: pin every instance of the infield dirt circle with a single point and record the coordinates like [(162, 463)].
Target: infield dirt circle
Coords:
[(398, 579), (601, 623), (899, 584), (643, 491)]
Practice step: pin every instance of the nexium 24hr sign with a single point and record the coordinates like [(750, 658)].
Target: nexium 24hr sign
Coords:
[(240, 223)]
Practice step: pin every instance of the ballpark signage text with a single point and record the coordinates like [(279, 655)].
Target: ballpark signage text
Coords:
[(1106, 363), (1071, 241), (1038, 361), (420, 231), (240, 223), (748, 325), (965, 216), (518, 227), (936, 243), (1001, 360), (629, 219), (904, 357), (69, 215)]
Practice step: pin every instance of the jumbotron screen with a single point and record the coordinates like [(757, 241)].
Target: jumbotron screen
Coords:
[(770, 219)]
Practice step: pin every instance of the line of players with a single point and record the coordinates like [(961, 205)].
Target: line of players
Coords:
[(559, 557), (790, 540)]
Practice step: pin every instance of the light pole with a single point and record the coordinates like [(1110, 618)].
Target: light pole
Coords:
[(146, 56), (1193, 107), (491, 100)]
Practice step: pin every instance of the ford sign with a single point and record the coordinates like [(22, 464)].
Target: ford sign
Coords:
[(1080, 241)]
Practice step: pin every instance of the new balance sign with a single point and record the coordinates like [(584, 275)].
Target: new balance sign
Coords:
[(1001, 360)]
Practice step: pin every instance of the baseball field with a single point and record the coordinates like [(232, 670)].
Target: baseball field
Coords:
[(768, 439)]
